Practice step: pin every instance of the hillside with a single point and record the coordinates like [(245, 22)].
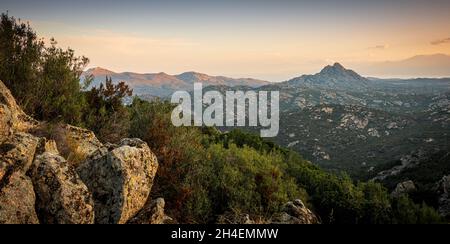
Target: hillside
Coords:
[(61, 174), (345, 122), (163, 85)]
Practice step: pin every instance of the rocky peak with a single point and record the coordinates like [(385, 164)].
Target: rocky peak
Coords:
[(336, 68), (339, 73), (192, 76), (334, 77), (98, 71)]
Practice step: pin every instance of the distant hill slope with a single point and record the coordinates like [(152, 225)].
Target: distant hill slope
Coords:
[(162, 84), (344, 121), (436, 65)]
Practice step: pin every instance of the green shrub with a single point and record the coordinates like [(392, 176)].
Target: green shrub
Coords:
[(44, 80)]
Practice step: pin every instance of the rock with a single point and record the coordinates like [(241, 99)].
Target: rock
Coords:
[(443, 191), (238, 218), (5, 123), (353, 122), (407, 162), (74, 143), (17, 153), (152, 214), (17, 200), (120, 179), (296, 213), (117, 178), (373, 132), (404, 188), (62, 198), (46, 146), (12, 118)]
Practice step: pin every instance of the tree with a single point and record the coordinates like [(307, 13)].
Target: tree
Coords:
[(20, 54), (105, 113), (44, 80)]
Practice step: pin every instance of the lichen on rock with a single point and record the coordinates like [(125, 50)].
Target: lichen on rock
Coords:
[(120, 179), (62, 198), (17, 200)]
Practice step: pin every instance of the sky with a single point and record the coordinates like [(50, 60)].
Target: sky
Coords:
[(271, 40)]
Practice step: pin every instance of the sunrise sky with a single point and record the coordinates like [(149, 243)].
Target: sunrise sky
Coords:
[(272, 40)]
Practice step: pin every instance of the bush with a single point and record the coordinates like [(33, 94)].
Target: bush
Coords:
[(44, 80), (201, 178), (105, 113)]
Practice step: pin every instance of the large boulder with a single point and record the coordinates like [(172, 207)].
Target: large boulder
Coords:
[(296, 213), (17, 153), (17, 200), (12, 118), (404, 188), (61, 196), (120, 179)]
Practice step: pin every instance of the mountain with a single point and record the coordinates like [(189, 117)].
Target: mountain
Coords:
[(332, 77), (163, 85), (345, 122), (437, 65)]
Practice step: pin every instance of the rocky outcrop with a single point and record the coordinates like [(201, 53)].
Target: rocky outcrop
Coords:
[(73, 143), (62, 198), (443, 190), (17, 153), (17, 200), (407, 162), (61, 174), (17, 197), (12, 118), (404, 188), (153, 213), (120, 179), (296, 213)]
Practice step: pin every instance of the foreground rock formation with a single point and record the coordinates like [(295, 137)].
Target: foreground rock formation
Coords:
[(61, 174), (120, 179), (62, 197), (17, 200), (12, 118)]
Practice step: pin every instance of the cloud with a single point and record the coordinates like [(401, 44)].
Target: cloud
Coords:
[(441, 41), (379, 47)]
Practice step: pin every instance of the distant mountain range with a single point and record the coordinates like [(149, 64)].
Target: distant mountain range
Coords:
[(163, 85), (437, 65), (334, 77)]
